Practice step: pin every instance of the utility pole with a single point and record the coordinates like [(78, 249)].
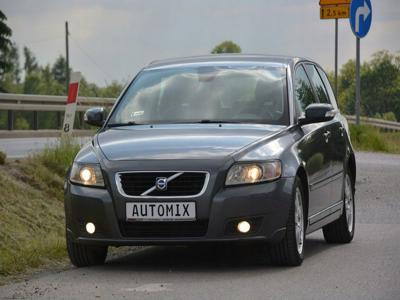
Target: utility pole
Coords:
[(66, 56), (336, 56)]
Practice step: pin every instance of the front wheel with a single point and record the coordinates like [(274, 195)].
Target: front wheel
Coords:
[(342, 230), (290, 251), (82, 255)]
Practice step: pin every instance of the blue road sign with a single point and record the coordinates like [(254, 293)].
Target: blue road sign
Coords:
[(360, 17)]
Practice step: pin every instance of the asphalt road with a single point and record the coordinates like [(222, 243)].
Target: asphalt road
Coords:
[(368, 268)]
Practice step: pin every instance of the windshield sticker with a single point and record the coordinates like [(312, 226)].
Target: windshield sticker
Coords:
[(137, 113)]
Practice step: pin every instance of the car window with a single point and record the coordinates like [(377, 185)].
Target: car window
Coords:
[(303, 91), (328, 87), (191, 94), (317, 83)]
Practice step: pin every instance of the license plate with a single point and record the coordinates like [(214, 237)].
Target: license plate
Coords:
[(161, 211)]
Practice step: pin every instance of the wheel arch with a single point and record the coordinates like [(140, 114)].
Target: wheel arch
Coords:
[(351, 165), (301, 173)]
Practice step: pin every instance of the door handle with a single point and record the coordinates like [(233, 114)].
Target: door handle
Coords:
[(341, 129), (327, 135)]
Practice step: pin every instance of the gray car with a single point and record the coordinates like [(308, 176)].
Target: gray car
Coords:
[(223, 148)]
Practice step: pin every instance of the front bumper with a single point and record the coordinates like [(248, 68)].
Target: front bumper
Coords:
[(266, 204)]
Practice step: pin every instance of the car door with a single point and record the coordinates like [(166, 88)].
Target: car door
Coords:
[(338, 143), (312, 149), (330, 134)]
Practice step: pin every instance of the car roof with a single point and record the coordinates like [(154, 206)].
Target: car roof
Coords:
[(252, 59)]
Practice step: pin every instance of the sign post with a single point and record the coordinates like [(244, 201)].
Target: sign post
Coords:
[(336, 54), (335, 9), (360, 22), (70, 108), (358, 81)]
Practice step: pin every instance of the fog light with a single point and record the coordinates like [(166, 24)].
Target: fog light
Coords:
[(90, 228), (243, 226)]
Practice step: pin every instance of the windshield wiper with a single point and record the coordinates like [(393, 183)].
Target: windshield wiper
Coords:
[(184, 122), (217, 121), (123, 124)]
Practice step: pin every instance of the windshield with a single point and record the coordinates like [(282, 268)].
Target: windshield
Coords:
[(205, 94)]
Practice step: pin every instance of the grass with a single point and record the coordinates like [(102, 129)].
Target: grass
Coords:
[(32, 211), (368, 138), (393, 141), (2, 158)]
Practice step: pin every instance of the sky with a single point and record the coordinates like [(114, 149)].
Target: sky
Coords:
[(113, 40)]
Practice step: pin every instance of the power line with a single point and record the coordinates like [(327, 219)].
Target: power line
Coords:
[(93, 61)]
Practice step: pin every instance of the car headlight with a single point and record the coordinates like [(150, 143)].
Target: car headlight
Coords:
[(246, 173), (87, 174)]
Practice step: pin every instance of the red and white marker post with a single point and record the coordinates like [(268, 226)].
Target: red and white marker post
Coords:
[(72, 100)]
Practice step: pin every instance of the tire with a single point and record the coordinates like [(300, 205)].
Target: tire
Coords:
[(86, 255), (342, 230), (290, 251)]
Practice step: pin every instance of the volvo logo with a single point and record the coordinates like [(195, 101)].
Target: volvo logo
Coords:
[(161, 183)]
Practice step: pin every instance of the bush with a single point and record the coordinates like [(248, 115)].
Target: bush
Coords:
[(46, 170), (388, 116), (59, 157), (21, 123), (2, 158), (366, 137)]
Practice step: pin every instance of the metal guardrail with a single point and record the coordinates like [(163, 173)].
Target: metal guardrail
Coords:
[(40, 103), (387, 125), (48, 103), (42, 133)]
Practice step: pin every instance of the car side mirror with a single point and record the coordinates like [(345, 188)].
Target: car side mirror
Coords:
[(95, 116), (318, 112)]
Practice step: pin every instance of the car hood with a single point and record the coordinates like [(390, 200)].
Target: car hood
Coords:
[(186, 141)]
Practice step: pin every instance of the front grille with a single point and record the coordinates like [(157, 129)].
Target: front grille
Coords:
[(164, 229), (186, 184)]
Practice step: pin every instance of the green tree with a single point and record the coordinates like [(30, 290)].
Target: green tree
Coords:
[(44, 80), (5, 32), (5, 43), (226, 47), (380, 86), (58, 70), (13, 60), (49, 85), (88, 89), (30, 63), (32, 83), (11, 76), (346, 87), (112, 90)]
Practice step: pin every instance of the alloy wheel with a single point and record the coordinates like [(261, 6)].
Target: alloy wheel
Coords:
[(299, 221), (348, 203)]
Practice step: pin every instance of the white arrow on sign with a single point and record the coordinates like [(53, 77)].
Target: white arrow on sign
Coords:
[(362, 10)]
